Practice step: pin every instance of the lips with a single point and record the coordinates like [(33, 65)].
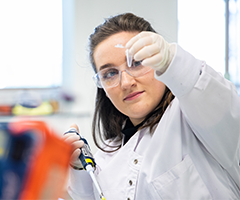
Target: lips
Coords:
[(132, 96)]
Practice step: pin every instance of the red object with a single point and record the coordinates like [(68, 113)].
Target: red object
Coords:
[(5, 110), (48, 170)]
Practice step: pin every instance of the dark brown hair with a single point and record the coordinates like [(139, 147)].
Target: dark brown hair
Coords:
[(107, 120)]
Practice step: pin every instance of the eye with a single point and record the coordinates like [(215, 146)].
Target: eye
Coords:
[(109, 73), (137, 63)]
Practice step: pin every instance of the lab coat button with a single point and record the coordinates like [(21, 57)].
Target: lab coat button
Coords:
[(135, 161), (130, 182)]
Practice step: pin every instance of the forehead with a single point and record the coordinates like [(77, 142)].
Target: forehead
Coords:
[(107, 53)]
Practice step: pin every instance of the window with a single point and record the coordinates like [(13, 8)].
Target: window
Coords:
[(31, 43), (203, 32), (234, 42)]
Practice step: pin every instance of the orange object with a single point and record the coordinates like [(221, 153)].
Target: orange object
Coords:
[(48, 170), (5, 110)]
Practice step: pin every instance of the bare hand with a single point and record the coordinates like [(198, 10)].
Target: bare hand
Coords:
[(74, 140)]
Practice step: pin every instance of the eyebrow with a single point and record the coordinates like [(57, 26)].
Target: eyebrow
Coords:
[(106, 66)]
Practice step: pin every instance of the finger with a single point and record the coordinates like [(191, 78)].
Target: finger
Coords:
[(139, 44), (135, 38), (65, 136), (75, 155), (132, 41), (153, 61), (77, 144), (147, 52), (71, 137), (75, 126)]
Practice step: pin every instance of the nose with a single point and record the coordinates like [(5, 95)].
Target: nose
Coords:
[(126, 80)]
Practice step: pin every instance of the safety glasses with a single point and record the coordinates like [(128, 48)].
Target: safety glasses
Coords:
[(110, 77)]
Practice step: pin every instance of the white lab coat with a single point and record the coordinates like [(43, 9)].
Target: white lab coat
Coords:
[(193, 153)]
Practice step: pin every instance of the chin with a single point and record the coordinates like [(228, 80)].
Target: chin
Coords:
[(138, 115)]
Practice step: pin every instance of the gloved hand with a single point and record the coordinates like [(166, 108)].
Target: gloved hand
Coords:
[(152, 49)]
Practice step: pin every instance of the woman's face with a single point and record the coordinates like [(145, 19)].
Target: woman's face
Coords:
[(134, 97)]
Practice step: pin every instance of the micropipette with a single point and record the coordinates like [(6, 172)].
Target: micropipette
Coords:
[(87, 161), (90, 170)]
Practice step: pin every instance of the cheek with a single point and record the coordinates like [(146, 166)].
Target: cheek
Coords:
[(113, 95), (155, 91), (158, 90), (116, 98), (153, 84)]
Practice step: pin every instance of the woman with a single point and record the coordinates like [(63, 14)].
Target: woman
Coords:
[(168, 126)]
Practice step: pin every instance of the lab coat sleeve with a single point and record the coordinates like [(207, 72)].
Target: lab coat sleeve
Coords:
[(80, 185), (211, 106)]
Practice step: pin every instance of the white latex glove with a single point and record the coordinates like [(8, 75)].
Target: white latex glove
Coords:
[(152, 49)]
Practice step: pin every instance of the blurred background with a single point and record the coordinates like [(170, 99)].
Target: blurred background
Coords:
[(44, 68), (44, 50)]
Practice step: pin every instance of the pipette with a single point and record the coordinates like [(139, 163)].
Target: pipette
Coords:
[(87, 161), (90, 171)]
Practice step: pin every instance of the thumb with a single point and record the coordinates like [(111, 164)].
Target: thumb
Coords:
[(75, 126)]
